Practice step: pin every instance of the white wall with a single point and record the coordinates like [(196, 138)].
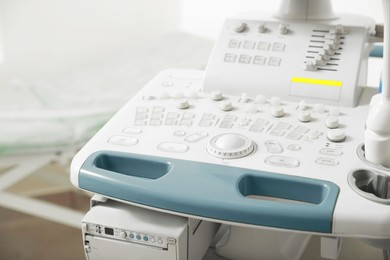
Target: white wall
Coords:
[(205, 17), (42, 37)]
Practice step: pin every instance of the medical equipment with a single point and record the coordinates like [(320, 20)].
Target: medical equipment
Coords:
[(113, 230), (270, 135)]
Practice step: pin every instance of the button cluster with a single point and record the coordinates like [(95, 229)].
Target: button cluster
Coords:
[(158, 116), (252, 59), (241, 27)]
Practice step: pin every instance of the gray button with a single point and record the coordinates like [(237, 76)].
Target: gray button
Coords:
[(327, 161), (294, 147), (179, 133)]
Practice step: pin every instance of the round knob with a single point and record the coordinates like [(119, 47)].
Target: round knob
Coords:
[(302, 105), (230, 146), (183, 104), (283, 29), (122, 234), (332, 122), (336, 135), (239, 27), (226, 105), (277, 111), (261, 28), (244, 98), (304, 116), (216, 95)]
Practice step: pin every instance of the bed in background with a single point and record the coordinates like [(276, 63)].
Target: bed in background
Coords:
[(47, 120)]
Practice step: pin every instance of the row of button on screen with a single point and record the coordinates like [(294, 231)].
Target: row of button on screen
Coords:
[(261, 46), (256, 60), (230, 121)]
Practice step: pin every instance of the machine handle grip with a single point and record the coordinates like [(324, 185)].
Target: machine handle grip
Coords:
[(212, 191)]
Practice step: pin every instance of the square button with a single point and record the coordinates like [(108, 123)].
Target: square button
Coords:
[(230, 57), (249, 45), (259, 60), (263, 46), (245, 59), (274, 61), (278, 46), (234, 44)]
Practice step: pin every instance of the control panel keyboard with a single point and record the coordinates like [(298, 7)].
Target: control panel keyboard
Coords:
[(173, 118), (275, 127)]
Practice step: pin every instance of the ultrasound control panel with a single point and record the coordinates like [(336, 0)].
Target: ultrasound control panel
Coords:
[(292, 59), (174, 146), (271, 134)]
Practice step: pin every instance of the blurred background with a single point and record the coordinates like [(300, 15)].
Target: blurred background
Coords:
[(65, 67)]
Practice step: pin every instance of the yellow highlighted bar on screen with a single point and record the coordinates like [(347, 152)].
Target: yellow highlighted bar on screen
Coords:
[(323, 82)]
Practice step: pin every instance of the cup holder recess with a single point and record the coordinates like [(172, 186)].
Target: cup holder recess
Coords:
[(361, 154), (370, 184)]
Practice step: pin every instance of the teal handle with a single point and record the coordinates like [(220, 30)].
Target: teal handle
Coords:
[(213, 191)]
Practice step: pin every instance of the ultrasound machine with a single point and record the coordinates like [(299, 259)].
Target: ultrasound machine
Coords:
[(277, 140)]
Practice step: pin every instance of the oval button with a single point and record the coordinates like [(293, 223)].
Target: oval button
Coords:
[(196, 137), (123, 140), (273, 146), (282, 161), (331, 151), (327, 161), (173, 147)]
